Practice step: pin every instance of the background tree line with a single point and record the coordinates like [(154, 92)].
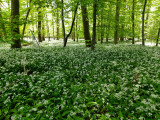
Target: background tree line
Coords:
[(92, 20)]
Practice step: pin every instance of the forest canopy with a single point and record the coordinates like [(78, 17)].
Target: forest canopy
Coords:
[(92, 20)]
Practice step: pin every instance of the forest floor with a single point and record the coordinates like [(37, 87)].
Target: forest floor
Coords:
[(75, 83)]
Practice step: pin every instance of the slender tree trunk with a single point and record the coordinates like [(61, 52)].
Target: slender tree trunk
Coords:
[(75, 12), (94, 24), (24, 26), (48, 34), (57, 24), (62, 17), (39, 25), (133, 24), (53, 27), (2, 25), (43, 30), (73, 31), (143, 15), (117, 22), (108, 24), (86, 26), (102, 27), (15, 24), (158, 36), (77, 35)]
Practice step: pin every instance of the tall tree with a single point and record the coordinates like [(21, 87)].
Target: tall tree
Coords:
[(72, 25), (116, 38), (86, 25), (15, 24), (133, 22), (94, 24), (57, 20), (158, 36), (39, 25), (24, 26), (62, 17), (143, 15)]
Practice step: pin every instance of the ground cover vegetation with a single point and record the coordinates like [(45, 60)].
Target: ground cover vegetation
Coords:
[(77, 59), (76, 83)]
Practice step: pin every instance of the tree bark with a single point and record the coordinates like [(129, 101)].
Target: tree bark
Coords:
[(94, 24), (75, 12), (133, 22), (86, 25), (108, 24), (63, 26), (57, 23), (43, 30), (39, 25), (143, 15), (24, 26), (77, 35), (15, 24), (117, 22), (158, 36), (102, 26)]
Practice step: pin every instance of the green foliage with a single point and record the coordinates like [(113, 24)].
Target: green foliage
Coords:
[(121, 82)]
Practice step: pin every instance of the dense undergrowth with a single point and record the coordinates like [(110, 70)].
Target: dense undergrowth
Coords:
[(119, 82)]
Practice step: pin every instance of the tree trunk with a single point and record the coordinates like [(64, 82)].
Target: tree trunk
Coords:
[(15, 24), (158, 36), (24, 27), (86, 26), (94, 24), (108, 24), (48, 34), (133, 24), (77, 35), (102, 27), (117, 22), (53, 27), (39, 26), (3, 26), (75, 12), (62, 17), (43, 30), (57, 24), (143, 15)]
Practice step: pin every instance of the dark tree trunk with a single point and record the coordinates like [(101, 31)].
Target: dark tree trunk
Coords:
[(63, 26), (108, 24), (24, 26), (102, 26), (133, 24), (66, 38), (86, 26), (77, 35), (94, 24), (158, 36), (43, 31), (117, 22), (15, 24), (73, 31), (39, 26), (143, 15)]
